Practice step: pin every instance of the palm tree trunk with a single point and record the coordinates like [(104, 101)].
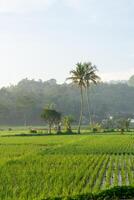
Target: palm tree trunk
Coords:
[(81, 111), (89, 113)]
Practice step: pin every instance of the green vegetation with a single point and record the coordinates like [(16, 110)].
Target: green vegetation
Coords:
[(41, 167), (83, 76), (53, 117), (116, 193), (54, 162), (67, 122), (22, 104)]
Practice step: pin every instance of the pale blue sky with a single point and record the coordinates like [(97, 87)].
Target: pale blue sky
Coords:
[(45, 38)]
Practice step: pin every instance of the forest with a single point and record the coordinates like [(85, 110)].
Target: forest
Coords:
[(22, 104)]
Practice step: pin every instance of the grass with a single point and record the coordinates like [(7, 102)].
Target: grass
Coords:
[(35, 168)]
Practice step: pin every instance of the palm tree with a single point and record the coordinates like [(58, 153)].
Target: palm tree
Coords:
[(90, 78), (78, 77)]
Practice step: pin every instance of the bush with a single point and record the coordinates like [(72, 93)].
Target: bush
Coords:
[(69, 132), (124, 192), (96, 127), (112, 130), (122, 131), (116, 193), (59, 132), (95, 130), (33, 131)]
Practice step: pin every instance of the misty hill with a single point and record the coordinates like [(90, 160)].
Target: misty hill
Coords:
[(23, 103)]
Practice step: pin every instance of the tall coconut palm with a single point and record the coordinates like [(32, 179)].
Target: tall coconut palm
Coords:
[(90, 78), (78, 77)]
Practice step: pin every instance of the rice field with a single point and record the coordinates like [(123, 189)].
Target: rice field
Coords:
[(35, 168)]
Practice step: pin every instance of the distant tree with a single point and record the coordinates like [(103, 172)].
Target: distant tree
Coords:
[(109, 123), (25, 103), (78, 78), (58, 122), (96, 127), (131, 81), (121, 124), (67, 122), (51, 116), (90, 78), (123, 121), (127, 123)]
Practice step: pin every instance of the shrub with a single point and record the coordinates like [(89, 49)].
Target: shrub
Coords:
[(33, 131), (116, 193), (95, 130)]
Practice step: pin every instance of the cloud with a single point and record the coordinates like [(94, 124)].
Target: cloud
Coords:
[(116, 76), (24, 5), (35, 5), (77, 4)]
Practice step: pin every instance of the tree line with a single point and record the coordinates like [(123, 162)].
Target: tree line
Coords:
[(22, 104)]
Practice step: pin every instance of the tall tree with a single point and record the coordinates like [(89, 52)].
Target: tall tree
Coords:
[(78, 78), (90, 78)]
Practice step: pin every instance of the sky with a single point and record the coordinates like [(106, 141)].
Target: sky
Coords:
[(44, 39)]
